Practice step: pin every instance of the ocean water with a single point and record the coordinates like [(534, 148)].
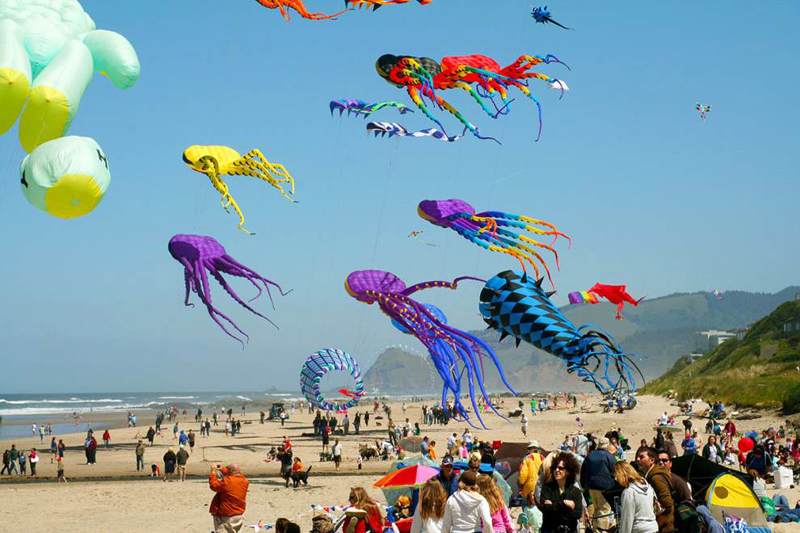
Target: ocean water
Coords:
[(60, 410)]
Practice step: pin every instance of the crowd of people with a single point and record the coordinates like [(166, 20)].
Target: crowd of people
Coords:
[(598, 481)]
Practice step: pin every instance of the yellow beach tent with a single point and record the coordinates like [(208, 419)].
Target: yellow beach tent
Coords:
[(731, 495)]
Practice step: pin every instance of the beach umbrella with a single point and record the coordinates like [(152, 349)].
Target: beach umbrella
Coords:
[(409, 477), (392, 493)]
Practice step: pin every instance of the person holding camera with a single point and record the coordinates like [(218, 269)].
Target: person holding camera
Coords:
[(230, 500)]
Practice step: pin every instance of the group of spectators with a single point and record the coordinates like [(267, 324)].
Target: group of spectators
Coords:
[(14, 457)]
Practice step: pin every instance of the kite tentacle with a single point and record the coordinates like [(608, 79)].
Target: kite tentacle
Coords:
[(204, 293)]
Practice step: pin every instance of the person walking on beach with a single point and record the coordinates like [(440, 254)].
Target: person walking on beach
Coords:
[(13, 456), (53, 450), (169, 464), (33, 430), (151, 434), (6, 463), (191, 436), (140, 455), (228, 428), (346, 424), (91, 449), (337, 453), (357, 423), (33, 459), (61, 448), (325, 438), (60, 470), (524, 423), (230, 500), (183, 458), (106, 438), (23, 463), (41, 433), (175, 431)]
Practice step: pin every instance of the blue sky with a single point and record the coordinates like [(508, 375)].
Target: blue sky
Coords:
[(651, 196)]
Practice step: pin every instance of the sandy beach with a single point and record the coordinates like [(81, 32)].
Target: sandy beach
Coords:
[(112, 496)]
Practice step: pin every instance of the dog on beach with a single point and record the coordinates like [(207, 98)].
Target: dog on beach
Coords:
[(301, 476)]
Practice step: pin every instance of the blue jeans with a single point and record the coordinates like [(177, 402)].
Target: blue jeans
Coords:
[(139, 462), (780, 501)]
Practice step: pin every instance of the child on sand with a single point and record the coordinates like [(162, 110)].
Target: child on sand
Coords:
[(60, 467)]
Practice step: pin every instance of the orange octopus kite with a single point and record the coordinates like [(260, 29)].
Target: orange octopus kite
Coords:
[(298, 6)]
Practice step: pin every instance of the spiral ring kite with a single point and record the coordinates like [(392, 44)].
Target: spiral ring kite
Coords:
[(319, 364)]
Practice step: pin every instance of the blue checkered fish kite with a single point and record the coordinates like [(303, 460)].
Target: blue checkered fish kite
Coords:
[(517, 306)]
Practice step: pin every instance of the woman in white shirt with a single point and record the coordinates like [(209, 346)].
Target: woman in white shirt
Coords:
[(429, 514), (466, 510), (636, 508)]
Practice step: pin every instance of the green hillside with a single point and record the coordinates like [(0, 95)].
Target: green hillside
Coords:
[(761, 370)]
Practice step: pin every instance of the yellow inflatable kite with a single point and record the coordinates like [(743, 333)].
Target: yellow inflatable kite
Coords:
[(216, 161)]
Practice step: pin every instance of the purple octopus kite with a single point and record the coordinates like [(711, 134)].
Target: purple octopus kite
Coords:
[(447, 345), (198, 253)]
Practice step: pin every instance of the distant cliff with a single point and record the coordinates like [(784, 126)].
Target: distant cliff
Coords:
[(397, 371)]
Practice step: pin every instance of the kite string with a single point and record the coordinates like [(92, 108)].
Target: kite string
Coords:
[(383, 201)]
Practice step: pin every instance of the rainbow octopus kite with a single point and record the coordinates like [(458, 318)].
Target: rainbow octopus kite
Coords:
[(446, 344), (198, 253), (487, 229), (298, 6), (542, 16), (422, 77), (514, 305), (393, 128), (360, 107), (216, 161), (702, 109)]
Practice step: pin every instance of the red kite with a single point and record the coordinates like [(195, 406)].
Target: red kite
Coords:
[(616, 294)]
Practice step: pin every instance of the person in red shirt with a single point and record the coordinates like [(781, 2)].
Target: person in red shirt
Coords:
[(229, 503), (106, 437), (372, 523)]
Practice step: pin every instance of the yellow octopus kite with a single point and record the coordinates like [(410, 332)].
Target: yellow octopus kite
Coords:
[(216, 161)]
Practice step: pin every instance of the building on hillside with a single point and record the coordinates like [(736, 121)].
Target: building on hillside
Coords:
[(708, 340), (792, 325), (741, 332)]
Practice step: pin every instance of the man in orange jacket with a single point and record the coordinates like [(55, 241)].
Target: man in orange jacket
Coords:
[(229, 503)]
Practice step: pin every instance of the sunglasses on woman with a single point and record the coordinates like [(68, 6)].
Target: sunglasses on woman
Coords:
[(559, 468)]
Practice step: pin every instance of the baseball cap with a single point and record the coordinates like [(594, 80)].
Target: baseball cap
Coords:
[(447, 460), (533, 444)]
